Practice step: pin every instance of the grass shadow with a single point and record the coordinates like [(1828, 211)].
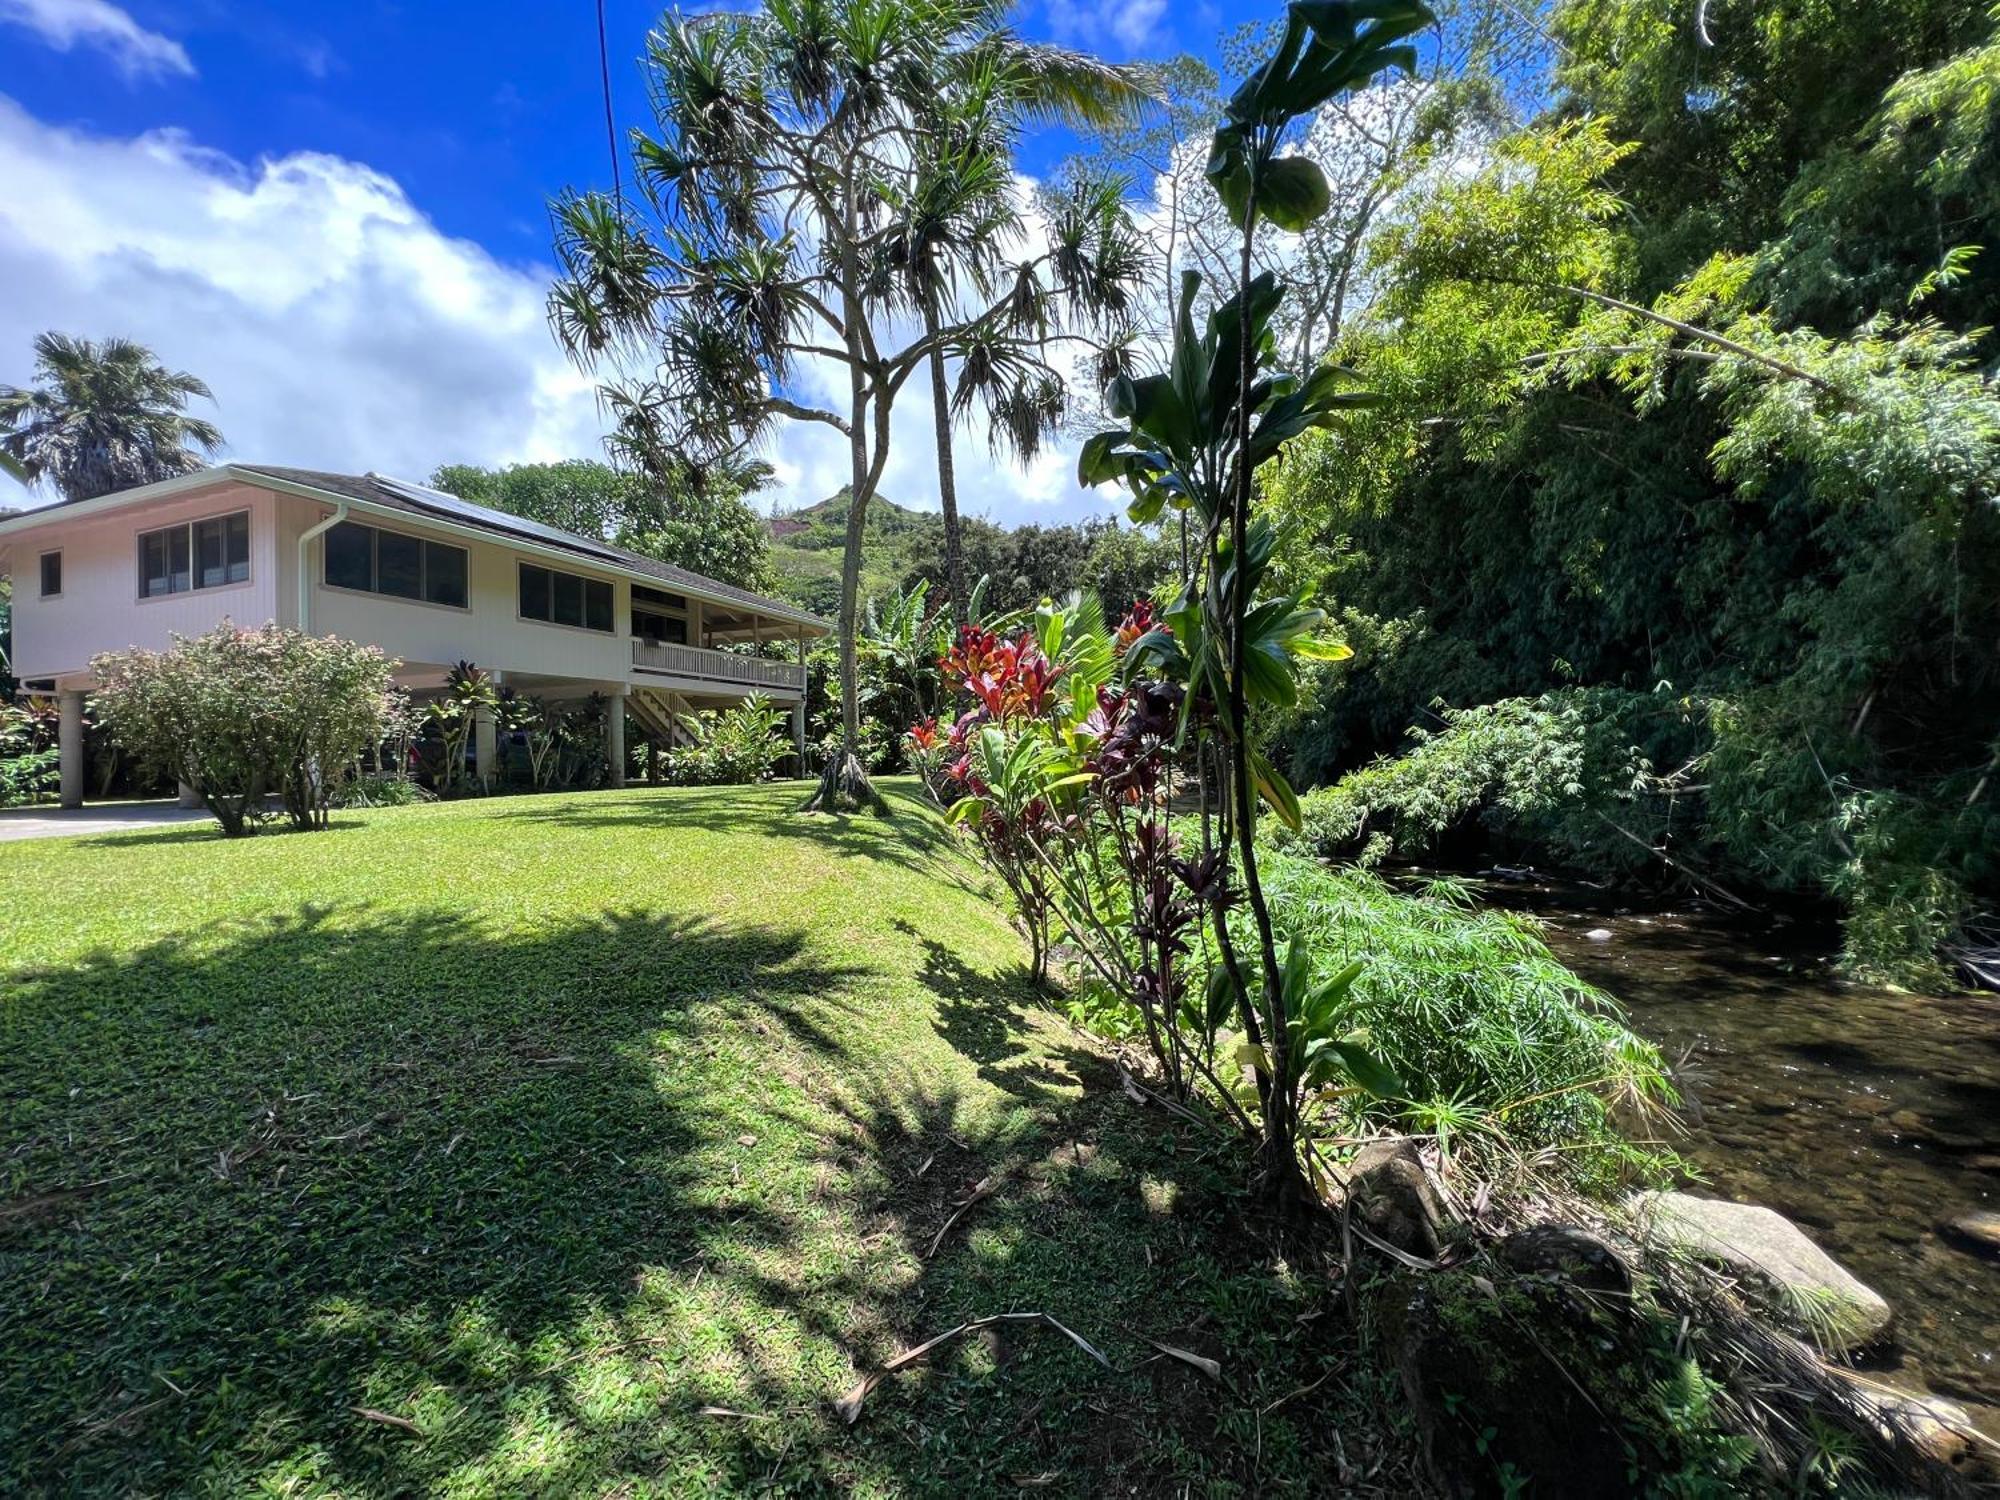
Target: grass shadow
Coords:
[(257, 1179)]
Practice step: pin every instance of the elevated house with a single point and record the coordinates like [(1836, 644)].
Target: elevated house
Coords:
[(428, 577)]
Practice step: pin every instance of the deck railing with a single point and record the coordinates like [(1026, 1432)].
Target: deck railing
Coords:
[(717, 666)]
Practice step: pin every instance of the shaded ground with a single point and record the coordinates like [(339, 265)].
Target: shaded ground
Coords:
[(477, 1148)]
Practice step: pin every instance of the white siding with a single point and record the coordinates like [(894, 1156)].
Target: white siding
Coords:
[(100, 608)]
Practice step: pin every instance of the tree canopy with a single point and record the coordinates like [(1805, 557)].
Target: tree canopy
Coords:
[(694, 520)]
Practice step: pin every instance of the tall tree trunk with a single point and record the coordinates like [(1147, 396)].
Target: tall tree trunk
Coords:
[(954, 555), (844, 784)]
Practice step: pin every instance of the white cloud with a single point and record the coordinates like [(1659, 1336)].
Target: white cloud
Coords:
[(337, 326), (340, 329), (65, 24), (1127, 26)]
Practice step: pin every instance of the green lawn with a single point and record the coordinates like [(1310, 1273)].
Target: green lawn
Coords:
[(542, 1124)]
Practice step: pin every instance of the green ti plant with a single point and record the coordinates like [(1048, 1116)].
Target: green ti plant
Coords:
[(1194, 439)]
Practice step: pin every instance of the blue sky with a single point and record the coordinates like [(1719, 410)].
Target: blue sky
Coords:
[(257, 188)]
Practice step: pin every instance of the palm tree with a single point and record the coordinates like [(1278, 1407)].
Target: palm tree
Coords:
[(105, 417)]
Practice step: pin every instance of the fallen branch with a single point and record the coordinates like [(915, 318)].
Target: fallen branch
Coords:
[(1138, 1093), (386, 1418), (988, 1186), (848, 1407), (1211, 1368)]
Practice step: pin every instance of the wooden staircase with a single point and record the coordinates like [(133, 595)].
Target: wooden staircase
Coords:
[(658, 714)]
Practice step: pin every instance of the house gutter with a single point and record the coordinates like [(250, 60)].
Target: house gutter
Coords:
[(306, 539)]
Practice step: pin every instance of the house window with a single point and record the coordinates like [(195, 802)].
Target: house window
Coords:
[(650, 625), (565, 598), (51, 574), (658, 616), (373, 561), (204, 554)]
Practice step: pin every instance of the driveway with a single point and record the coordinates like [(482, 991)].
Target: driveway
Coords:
[(102, 817)]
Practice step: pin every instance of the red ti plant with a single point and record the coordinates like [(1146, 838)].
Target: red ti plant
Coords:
[(995, 759), (925, 748)]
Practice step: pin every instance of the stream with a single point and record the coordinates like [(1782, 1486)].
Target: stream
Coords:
[(1865, 1116)]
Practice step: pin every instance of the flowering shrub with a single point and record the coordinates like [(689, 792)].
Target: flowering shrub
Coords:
[(243, 714)]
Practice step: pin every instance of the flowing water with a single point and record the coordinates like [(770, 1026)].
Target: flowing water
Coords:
[(1866, 1117)]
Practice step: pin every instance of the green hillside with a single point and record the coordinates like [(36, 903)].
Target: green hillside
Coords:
[(806, 548)]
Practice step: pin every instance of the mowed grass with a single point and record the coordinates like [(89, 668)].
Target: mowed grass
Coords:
[(502, 1147)]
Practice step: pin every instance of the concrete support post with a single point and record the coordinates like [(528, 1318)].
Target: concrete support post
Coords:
[(484, 744), (69, 747), (614, 737), (189, 797), (799, 735)]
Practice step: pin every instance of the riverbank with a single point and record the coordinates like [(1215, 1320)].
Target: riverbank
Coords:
[(1870, 1118)]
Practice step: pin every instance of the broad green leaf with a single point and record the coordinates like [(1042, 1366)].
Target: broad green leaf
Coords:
[(1220, 1000), (1277, 791), (1367, 1070)]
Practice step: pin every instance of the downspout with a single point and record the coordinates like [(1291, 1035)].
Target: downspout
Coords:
[(306, 539)]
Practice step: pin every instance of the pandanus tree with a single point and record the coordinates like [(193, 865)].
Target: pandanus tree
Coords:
[(1194, 440), (964, 214), (105, 416), (763, 271)]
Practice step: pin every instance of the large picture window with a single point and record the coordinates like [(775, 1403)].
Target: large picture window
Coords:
[(565, 598), (204, 554), (658, 616), (374, 561)]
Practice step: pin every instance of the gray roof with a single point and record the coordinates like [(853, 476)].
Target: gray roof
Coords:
[(374, 491)]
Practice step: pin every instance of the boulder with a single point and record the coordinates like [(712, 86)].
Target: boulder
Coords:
[(1599, 935), (1569, 1253), (1942, 1431), (1388, 1193), (1807, 1286), (1978, 1230)]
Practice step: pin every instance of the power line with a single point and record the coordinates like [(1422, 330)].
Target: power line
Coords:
[(610, 127)]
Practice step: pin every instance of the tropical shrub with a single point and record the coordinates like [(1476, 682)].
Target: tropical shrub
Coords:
[(29, 766), (1496, 1044), (1076, 743), (375, 789), (732, 746), (241, 715), (452, 719)]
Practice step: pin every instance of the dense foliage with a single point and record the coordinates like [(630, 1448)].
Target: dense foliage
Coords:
[(28, 757), (240, 715), (1022, 565), (1689, 420), (733, 746)]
